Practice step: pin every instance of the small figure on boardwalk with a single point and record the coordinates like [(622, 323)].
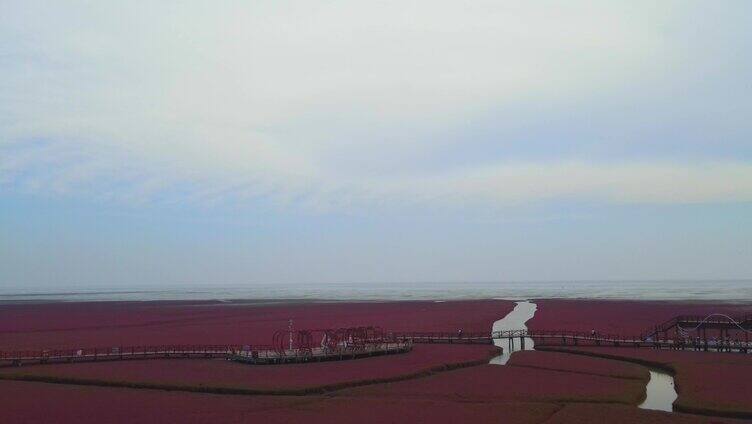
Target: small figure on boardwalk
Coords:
[(459, 333), (592, 333)]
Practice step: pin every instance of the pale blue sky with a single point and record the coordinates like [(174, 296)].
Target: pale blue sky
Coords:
[(304, 142)]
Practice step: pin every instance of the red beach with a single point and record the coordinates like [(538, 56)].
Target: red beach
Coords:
[(433, 381)]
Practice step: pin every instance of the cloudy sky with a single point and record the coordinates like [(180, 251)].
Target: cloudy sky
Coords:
[(326, 141)]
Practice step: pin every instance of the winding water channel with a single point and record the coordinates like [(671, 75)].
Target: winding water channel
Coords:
[(661, 392), (660, 389), (514, 320)]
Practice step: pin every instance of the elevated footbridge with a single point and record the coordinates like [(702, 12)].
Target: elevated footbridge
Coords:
[(715, 332), (576, 338)]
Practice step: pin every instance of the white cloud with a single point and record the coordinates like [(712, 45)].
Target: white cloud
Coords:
[(107, 175), (135, 100), (620, 182)]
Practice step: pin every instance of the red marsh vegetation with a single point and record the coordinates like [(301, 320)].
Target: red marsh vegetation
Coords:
[(219, 373), (493, 383), (579, 364), (706, 382), (589, 413), (44, 403), (105, 324), (534, 387), (629, 318)]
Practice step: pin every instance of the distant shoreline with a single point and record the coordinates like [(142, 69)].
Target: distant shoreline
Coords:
[(725, 291), (296, 301)]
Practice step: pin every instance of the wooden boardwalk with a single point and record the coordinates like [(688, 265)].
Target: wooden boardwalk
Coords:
[(574, 338), (259, 355), (724, 326), (680, 333), (46, 356)]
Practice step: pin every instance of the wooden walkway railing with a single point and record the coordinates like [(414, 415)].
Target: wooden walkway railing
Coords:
[(703, 323), (577, 338), (259, 354), (392, 343)]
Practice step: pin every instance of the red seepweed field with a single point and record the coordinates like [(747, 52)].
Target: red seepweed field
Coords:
[(579, 364), (105, 324), (623, 317), (293, 378), (493, 383), (419, 386), (707, 382)]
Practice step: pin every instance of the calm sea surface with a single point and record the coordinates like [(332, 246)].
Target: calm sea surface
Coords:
[(730, 291)]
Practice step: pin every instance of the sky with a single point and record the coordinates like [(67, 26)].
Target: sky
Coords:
[(303, 142)]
